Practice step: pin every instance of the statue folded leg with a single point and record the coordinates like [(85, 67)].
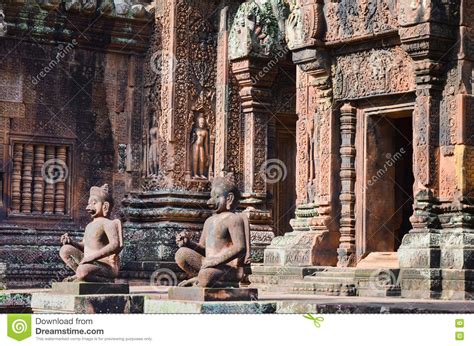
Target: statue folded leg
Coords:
[(93, 272), (189, 261), (96, 272), (72, 257), (220, 276)]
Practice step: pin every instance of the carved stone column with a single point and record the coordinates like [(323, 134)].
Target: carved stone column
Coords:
[(427, 28), (255, 96), (347, 248), (256, 44), (315, 238)]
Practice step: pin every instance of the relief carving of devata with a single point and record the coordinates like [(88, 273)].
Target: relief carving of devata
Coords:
[(258, 29)]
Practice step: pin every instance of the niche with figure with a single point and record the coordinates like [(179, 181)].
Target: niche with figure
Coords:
[(199, 148)]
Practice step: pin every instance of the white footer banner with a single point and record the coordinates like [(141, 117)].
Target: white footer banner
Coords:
[(230, 330)]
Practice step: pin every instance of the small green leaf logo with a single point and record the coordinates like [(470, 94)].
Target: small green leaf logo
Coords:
[(316, 319), (19, 326)]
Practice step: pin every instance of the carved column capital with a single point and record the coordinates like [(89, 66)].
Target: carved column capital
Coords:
[(428, 27), (255, 77)]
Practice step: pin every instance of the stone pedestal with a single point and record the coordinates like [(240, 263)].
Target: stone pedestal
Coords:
[(153, 218), (86, 297), (419, 257), (201, 294), (86, 304)]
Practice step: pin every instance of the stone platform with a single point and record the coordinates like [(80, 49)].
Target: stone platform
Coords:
[(199, 294), (154, 299), (161, 306)]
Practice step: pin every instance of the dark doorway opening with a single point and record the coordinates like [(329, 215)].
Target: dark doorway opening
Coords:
[(389, 181), (284, 191)]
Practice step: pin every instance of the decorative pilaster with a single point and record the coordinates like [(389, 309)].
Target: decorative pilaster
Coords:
[(426, 29), (347, 249), (256, 97)]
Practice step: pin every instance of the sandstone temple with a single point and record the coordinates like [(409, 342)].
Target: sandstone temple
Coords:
[(348, 126)]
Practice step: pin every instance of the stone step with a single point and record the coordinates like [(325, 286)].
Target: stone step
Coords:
[(331, 290), (340, 280)]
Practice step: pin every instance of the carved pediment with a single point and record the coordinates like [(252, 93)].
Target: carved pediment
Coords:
[(305, 23), (258, 29)]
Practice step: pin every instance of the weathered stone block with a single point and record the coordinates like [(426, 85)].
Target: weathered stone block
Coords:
[(420, 283), (201, 294), (84, 288)]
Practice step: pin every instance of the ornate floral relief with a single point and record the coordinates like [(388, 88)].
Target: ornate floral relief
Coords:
[(352, 18), (448, 113), (301, 137), (235, 128), (447, 178), (374, 72)]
